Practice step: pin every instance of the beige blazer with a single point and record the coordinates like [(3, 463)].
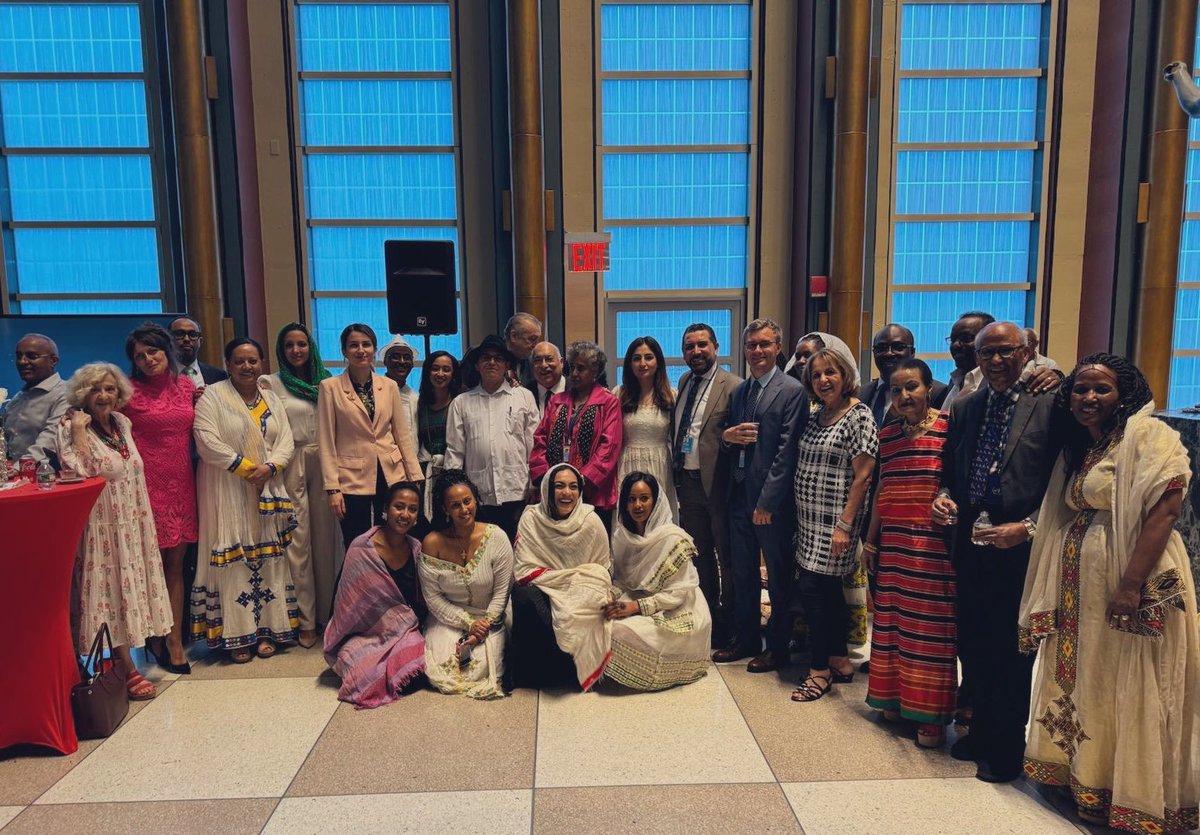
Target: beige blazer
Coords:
[(351, 443)]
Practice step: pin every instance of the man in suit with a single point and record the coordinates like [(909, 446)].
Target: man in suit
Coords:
[(998, 457), (548, 376), (892, 344), (701, 468), (187, 337), (521, 333), (767, 413)]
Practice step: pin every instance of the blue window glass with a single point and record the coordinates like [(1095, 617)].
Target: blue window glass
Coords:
[(70, 38), (331, 315), (655, 111), (351, 257), (964, 182), (971, 36), (88, 307), (84, 188), (962, 252), (969, 110), (74, 114), (930, 315), (670, 36), (667, 327), (373, 37), (676, 185), (677, 257), (380, 186), (91, 260), (1185, 382), (378, 112)]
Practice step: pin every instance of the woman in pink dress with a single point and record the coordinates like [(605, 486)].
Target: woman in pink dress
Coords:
[(161, 413)]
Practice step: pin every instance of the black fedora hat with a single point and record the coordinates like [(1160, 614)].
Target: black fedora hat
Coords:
[(496, 344)]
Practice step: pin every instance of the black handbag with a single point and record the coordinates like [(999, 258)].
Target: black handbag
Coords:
[(100, 701)]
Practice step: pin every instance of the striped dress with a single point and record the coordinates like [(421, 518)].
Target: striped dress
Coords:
[(913, 667)]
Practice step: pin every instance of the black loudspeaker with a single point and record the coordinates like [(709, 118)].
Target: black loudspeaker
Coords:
[(420, 287)]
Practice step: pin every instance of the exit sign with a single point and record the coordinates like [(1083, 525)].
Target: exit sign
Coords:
[(587, 252)]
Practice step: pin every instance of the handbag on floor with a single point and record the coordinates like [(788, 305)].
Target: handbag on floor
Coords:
[(100, 701)]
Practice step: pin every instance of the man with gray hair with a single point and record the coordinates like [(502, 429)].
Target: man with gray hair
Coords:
[(766, 415), (30, 419), (521, 333)]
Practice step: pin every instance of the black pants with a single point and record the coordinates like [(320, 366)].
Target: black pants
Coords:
[(826, 613), (707, 521), (990, 582), (534, 658), (606, 518), (506, 516), (364, 511)]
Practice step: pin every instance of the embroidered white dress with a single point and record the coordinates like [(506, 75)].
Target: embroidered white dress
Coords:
[(457, 596), (118, 568), (647, 448)]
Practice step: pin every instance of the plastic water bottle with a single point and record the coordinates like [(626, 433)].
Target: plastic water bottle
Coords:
[(982, 523), (45, 476)]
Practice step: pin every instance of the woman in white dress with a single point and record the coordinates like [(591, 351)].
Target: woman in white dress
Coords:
[(646, 403), (661, 623), (243, 599), (466, 570), (316, 553), (118, 571)]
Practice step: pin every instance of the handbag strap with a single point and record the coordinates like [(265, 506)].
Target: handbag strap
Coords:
[(103, 638)]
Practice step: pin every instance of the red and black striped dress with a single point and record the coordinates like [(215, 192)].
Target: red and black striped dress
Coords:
[(913, 667)]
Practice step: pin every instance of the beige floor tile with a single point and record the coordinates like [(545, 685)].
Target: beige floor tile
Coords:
[(26, 772), (206, 739), (691, 734), (418, 743), (289, 662), (7, 813), (799, 740), (687, 810), (921, 807), (494, 812), (229, 817)]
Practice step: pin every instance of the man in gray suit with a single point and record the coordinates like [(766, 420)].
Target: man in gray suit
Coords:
[(997, 460), (766, 416), (701, 466)]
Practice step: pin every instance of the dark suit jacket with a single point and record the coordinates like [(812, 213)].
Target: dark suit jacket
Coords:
[(937, 396), (1029, 457), (714, 458), (211, 374), (782, 414)]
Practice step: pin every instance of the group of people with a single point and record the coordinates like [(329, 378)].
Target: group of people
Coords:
[(1012, 511)]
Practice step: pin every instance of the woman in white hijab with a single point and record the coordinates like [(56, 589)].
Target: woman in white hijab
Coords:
[(661, 623), (562, 557)]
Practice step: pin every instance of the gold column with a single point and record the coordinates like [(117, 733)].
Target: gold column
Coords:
[(1160, 238), (526, 161), (850, 171), (197, 209)]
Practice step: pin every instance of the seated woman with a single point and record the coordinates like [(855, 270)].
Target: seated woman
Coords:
[(563, 561), (374, 639), (466, 575), (661, 623)]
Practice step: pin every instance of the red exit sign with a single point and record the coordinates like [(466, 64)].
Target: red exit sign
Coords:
[(587, 253)]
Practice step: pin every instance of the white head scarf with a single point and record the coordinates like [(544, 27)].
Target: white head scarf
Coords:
[(832, 343), (636, 557)]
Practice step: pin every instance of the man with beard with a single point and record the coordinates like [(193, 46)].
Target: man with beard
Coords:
[(892, 344), (30, 419), (187, 338)]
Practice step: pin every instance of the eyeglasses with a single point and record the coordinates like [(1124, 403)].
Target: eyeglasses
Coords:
[(764, 345), (491, 358), (891, 347), (31, 356), (960, 340), (1005, 352), (186, 334)]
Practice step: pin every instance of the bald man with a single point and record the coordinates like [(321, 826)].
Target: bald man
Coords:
[(548, 376), (31, 417)]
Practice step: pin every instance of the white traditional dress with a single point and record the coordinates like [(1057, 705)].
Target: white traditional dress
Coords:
[(118, 569), (1116, 708), (243, 589), (646, 447), (667, 642), (457, 596)]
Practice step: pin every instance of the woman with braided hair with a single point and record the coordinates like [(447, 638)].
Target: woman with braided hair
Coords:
[(1110, 607)]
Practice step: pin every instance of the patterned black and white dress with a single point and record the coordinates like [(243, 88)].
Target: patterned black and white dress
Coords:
[(824, 473)]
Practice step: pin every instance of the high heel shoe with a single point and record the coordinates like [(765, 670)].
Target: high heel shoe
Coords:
[(162, 658)]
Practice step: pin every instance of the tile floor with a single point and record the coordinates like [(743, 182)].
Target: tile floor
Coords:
[(266, 747)]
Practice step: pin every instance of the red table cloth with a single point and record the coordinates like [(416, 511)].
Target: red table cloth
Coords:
[(39, 532)]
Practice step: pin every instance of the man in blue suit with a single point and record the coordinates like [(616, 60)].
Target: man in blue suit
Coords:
[(766, 416)]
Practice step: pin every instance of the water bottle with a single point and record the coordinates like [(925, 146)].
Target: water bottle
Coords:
[(982, 523), (45, 476)]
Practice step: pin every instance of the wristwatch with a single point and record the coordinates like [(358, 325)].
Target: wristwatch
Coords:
[(1030, 527), (331, 492)]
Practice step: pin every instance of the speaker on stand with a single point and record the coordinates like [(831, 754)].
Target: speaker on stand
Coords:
[(421, 296)]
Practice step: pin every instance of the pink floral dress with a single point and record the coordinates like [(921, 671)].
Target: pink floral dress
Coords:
[(118, 570), (161, 413)]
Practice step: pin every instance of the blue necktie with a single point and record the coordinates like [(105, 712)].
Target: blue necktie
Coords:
[(749, 413)]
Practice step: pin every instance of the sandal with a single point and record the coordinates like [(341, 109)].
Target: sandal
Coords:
[(931, 736), (842, 678), (241, 655), (810, 689), (311, 634), (140, 688), (266, 648)]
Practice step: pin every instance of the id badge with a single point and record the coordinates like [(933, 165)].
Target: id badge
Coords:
[(566, 453), (689, 444)]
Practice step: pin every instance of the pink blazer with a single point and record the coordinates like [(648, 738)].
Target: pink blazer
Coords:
[(351, 444)]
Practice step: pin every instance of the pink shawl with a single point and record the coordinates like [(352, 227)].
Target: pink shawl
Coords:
[(374, 640)]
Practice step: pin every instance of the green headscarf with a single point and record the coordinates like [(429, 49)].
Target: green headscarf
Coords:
[(316, 369)]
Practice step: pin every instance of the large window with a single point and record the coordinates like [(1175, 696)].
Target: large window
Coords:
[(81, 225), (378, 142), (1185, 356), (675, 123), (968, 145)]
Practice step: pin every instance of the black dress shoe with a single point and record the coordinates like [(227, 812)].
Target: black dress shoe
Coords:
[(963, 749), (766, 663), (733, 653), (987, 775)]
